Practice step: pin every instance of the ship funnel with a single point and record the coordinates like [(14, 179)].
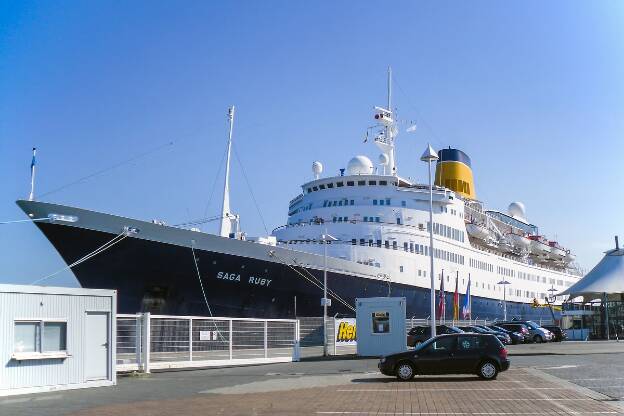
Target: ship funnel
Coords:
[(453, 171)]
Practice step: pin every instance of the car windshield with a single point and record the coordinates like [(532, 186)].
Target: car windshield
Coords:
[(532, 325)]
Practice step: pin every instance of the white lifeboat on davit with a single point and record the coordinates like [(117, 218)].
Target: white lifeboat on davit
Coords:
[(478, 231), (569, 257), (539, 246), (557, 252), (519, 241)]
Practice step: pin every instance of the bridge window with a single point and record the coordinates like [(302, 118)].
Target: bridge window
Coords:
[(372, 183), (383, 183), (361, 183), (339, 184), (350, 183)]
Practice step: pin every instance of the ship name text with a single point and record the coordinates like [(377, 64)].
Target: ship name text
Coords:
[(235, 277)]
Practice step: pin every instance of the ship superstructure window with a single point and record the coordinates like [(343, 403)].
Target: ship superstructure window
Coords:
[(374, 202), (372, 183), (383, 183), (361, 183), (321, 186), (330, 185), (403, 203), (350, 183), (339, 184), (446, 231)]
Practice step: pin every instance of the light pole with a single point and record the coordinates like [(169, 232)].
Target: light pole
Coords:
[(429, 156), (504, 283), (325, 302)]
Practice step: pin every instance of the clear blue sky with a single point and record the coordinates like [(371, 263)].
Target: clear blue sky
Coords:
[(533, 91)]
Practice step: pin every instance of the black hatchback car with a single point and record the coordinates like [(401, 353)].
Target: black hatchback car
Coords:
[(558, 334), (480, 354)]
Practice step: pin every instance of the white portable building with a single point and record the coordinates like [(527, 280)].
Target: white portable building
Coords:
[(380, 326), (56, 338)]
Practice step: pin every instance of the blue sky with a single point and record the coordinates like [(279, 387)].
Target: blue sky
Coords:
[(533, 91)]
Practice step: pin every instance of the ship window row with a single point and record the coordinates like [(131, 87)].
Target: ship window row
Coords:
[(338, 203), (533, 278), (411, 248), (381, 201), (504, 271), (340, 219), (481, 265), (340, 184), (446, 231)]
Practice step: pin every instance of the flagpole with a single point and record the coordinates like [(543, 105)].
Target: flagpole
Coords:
[(31, 197)]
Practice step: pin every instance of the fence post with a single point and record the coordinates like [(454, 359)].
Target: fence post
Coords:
[(231, 338), (146, 342), (333, 335), (138, 343), (191, 339), (266, 343), (296, 346)]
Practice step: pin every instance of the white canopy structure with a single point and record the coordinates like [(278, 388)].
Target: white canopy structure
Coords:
[(607, 277)]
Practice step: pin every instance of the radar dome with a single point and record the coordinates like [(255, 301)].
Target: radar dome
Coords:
[(360, 165), (317, 169), (384, 159), (516, 209)]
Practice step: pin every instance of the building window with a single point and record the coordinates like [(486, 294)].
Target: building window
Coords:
[(378, 243), (405, 246), (403, 203), (374, 202), (362, 241), (394, 245), (365, 219), (381, 202), (377, 219), (398, 220), (401, 269), (40, 336), (387, 201), (387, 244), (352, 202)]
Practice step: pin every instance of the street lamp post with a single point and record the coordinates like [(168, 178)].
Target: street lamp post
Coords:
[(429, 156), (504, 283), (325, 302)]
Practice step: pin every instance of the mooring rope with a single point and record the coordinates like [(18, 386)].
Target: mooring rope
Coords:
[(26, 220), (204, 292), (86, 257)]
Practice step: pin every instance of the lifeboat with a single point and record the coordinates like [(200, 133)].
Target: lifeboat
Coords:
[(569, 257), (557, 252), (478, 231), (539, 246), (519, 242)]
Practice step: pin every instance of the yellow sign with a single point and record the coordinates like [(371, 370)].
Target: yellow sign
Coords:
[(346, 331)]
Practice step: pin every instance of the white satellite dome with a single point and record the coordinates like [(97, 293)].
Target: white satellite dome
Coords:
[(317, 168), (360, 165), (516, 210)]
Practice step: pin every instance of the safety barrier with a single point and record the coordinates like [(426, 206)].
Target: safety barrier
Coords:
[(147, 342)]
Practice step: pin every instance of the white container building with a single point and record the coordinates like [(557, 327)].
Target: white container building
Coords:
[(380, 326), (56, 338)]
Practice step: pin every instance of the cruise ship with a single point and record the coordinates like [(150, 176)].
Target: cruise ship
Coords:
[(366, 226)]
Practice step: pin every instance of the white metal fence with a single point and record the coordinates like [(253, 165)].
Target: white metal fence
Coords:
[(146, 342)]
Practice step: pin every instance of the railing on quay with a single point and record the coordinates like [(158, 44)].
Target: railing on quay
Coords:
[(146, 342)]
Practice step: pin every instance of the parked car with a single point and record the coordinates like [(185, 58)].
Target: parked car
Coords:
[(516, 337), (558, 334), (422, 333), (460, 353), (537, 333), (504, 338), (517, 327)]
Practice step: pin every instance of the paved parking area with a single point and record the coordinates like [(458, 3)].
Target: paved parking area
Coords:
[(575, 379)]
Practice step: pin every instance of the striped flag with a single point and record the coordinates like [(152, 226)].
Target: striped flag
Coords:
[(442, 299), (466, 305), (456, 299)]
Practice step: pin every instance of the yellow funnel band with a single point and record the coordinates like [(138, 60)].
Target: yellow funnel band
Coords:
[(455, 176)]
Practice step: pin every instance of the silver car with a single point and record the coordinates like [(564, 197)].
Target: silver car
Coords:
[(538, 334)]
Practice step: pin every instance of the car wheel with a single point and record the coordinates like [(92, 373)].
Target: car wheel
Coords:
[(405, 371), (488, 370), (537, 339)]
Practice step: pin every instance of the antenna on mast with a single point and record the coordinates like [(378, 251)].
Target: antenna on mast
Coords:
[(33, 164), (385, 138), (228, 220)]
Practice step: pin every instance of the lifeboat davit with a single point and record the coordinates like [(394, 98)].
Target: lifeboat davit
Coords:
[(519, 242), (557, 252), (478, 231), (539, 246)]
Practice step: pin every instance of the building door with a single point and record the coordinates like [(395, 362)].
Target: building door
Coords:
[(97, 345)]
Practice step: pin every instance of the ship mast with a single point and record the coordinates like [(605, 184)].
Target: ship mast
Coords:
[(226, 222), (385, 139)]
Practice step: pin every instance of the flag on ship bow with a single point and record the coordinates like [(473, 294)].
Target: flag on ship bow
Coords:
[(466, 305), (456, 299), (441, 299)]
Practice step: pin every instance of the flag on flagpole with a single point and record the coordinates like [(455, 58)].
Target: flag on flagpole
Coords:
[(441, 299), (32, 175), (456, 299), (466, 305)]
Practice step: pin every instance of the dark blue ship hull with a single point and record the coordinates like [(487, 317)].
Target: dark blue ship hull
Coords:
[(161, 278)]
